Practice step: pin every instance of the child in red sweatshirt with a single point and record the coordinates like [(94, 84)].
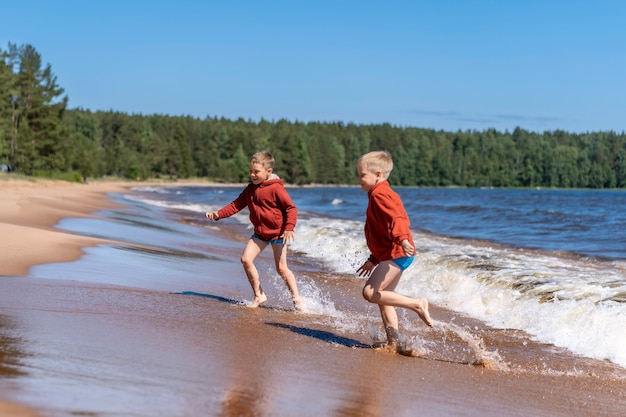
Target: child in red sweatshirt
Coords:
[(273, 216), (388, 236)]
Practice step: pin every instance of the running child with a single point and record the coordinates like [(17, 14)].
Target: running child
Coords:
[(389, 239), (273, 216)]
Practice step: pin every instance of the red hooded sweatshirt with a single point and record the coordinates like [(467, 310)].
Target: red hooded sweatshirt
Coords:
[(386, 224), (271, 210)]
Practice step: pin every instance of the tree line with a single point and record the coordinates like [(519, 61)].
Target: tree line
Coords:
[(40, 136)]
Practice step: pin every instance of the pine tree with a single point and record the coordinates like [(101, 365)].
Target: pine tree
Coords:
[(38, 138), (6, 83)]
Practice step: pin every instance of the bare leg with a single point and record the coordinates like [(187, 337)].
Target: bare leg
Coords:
[(280, 259), (250, 252), (379, 289), (390, 323)]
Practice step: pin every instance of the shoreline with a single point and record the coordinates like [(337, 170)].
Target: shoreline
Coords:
[(29, 210), (336, 359)]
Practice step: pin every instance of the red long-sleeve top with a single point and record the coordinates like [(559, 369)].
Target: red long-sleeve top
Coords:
[(271, 210), (386, 224)]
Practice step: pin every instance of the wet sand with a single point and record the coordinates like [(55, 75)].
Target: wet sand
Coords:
[(148, 352)]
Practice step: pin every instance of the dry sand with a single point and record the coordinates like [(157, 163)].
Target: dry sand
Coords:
[(365, 382)]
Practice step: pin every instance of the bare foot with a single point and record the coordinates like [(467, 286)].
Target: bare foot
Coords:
[(421, 308), (393, 347), (298, 304), (386, 346), (258, 300)]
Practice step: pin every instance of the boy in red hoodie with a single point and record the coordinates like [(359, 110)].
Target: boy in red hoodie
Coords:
[(388, 236), (273, 216)]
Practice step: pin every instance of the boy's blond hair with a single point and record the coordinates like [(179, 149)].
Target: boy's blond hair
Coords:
[(377, 161), (264, 158)]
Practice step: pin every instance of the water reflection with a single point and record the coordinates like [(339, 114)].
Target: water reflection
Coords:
[(244, 400), (10, 350)]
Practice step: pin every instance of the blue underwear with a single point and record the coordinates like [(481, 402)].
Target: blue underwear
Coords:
[(404, 262), (278, 241)]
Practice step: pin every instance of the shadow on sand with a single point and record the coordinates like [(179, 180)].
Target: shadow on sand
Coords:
[(323, 335), (211, 296)]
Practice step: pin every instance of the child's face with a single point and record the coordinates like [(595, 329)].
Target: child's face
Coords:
[(258, 173), (367, 178)]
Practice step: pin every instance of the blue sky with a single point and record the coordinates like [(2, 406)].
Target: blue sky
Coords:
[(450, 65)]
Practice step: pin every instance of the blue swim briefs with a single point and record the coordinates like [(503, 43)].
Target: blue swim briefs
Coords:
[(404, 262), (278, 241)]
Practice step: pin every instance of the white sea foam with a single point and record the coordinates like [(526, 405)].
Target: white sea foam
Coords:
[(332, 241), (563, 302), (174, 205)]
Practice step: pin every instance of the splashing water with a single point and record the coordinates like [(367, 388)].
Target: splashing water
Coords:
[(482, 357)]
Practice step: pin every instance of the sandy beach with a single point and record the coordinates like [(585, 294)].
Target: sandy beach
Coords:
[(152, 351)]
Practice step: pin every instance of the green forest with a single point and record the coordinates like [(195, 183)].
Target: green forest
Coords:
[(40, 136)]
